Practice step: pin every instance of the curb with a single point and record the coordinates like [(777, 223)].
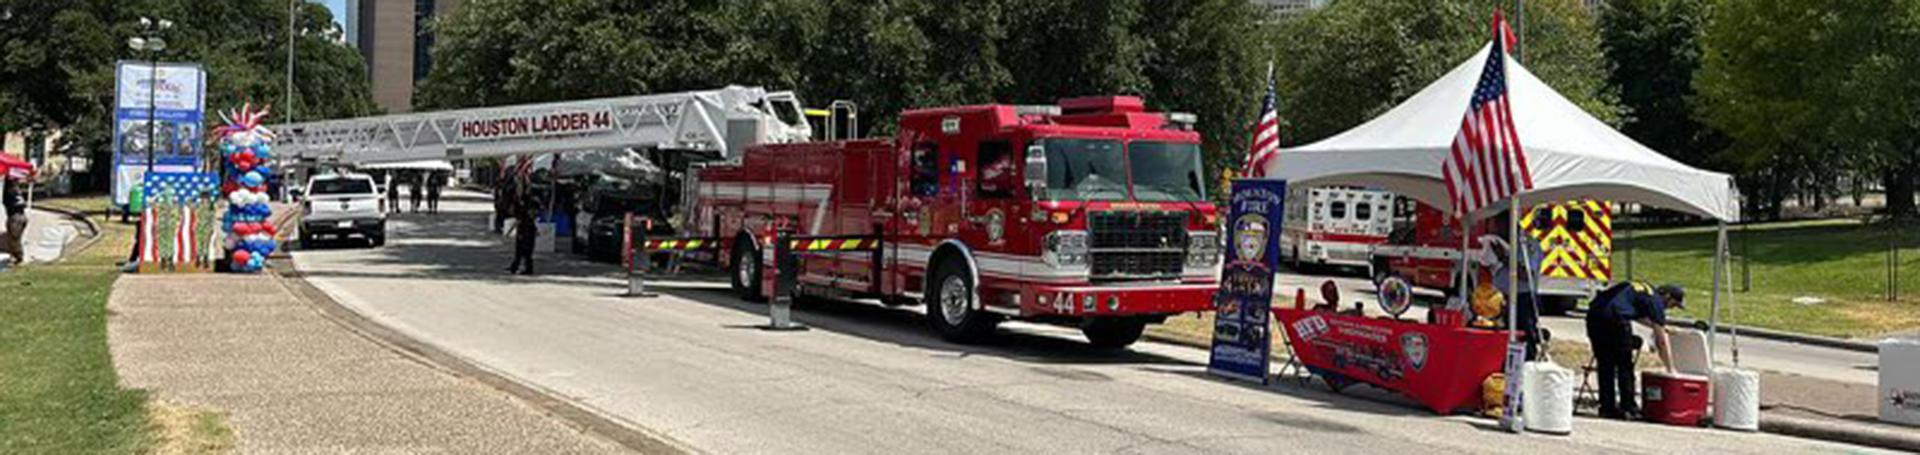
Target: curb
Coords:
[(568, 411), (1860, 434), (1776, 335), (1801, 338), (76, 215), (92, 238)]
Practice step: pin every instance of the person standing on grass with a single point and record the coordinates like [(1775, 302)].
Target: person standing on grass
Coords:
[(16, 207)]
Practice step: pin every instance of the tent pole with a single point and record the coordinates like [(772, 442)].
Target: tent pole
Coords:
[(1513, 268), (1719, 263)]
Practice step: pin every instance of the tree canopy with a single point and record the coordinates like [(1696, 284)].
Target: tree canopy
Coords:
[(886, 56), (1808, 89), (1344, 64), (58, 61)]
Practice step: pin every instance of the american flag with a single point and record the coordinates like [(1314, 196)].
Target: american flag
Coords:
[(1266, 134), (1487, 164)]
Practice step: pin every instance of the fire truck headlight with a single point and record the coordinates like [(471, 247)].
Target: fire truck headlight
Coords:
[(1203, 249), (1065, 249)]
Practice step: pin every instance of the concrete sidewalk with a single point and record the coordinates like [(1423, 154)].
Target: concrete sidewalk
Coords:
[(295, 381)]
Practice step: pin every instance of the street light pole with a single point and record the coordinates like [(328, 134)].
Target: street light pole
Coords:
[(152, 44), (292, 10)]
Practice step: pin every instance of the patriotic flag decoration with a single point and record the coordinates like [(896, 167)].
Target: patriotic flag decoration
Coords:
[(1266, 134), (1487, 164), (184, 242), (149, 250)]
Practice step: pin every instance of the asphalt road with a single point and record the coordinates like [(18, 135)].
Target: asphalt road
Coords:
[(691, 366)]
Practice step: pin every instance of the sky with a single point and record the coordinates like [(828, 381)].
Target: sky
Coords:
[(339, 9)]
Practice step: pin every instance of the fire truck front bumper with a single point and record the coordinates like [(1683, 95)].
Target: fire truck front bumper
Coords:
[(1120, 300)]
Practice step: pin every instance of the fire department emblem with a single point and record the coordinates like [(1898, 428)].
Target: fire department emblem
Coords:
[(1414, 346), (1250, 237)]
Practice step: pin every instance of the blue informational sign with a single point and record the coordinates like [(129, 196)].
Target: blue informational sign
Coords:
[(1242, 343), (175, 95)]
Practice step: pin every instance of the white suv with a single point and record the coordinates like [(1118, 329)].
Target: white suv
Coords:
[(343, 205)]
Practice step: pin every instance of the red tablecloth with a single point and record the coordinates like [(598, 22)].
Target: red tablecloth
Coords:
[(1439, 366)]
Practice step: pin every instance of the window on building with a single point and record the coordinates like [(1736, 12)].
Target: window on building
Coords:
[(1337, 210)]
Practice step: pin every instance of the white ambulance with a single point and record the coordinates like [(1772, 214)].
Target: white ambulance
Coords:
[(1335, 226)]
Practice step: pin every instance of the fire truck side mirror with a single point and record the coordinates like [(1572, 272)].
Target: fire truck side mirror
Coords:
[(1036, 171)]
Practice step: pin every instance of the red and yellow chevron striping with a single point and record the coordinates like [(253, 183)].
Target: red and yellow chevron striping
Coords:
[(833, 244), (681, 244)]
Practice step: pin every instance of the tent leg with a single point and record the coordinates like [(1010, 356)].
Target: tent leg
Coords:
[(1719, 272)]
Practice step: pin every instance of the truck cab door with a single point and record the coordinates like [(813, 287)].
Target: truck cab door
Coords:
[(911, 228)]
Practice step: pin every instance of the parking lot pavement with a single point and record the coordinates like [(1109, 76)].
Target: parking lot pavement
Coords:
[(293, 381), (692, 366)]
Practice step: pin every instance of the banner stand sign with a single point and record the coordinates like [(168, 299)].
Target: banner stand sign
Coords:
[(1242, 343), (176, 93)]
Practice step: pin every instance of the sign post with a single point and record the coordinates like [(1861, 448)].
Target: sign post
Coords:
[(1242, 346), (786, 276)]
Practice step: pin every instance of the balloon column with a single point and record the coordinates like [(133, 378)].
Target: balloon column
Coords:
[(244, 142)]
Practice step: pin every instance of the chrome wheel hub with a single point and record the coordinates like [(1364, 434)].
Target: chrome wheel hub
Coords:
[(955, 300)]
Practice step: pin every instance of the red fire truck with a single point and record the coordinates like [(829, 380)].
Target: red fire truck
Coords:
[(1092, 213), (1575, 238)]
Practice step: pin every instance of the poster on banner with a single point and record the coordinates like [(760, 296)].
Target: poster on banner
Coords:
[(1242, 344), (1516, 357), (171, 130)]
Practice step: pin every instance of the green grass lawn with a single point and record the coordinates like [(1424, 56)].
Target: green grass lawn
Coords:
[(1841, 261), (58, 389)]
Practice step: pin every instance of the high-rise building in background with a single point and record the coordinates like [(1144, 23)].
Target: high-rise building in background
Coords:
[(350, 22), (395, 37)]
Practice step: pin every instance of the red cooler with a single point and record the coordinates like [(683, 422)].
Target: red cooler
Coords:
[(1674, 399)]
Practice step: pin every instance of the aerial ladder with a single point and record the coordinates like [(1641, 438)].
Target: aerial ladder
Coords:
[(716, 124)]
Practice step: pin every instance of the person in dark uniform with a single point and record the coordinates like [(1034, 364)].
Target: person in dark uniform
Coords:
[(434, 182), (524, 234), (413, 193), (502, 206), (16, 232), (393, 193), (1609, 327)]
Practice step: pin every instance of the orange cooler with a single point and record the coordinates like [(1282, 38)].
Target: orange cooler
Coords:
[(1674, 399)]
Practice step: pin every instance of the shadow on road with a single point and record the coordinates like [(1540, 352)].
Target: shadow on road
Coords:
[(1359, 398)]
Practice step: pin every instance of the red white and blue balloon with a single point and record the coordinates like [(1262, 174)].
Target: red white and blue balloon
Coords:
[(245, 145)]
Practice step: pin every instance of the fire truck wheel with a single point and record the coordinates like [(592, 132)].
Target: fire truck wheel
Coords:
[(950, 304), (1113, 333), (746, 270)]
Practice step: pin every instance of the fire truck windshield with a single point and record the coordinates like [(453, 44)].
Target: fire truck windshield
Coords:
[(1165, 171), (1085, 170), (1096, 170)]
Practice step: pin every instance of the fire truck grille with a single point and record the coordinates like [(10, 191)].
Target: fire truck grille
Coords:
[(1136, 245)]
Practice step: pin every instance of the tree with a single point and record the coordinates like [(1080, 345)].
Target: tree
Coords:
[(1344, 64), (1805, 87), (60, 58), (1654, 49), (886, 56)]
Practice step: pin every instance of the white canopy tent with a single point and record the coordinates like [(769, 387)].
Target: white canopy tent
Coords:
[(1572, 154)]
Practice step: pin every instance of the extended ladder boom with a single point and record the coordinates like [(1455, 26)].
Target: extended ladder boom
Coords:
[(722, 121)]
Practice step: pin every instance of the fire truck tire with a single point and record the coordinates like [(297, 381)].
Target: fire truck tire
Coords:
[(746, 270), (1113, 333), (951, 306)]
